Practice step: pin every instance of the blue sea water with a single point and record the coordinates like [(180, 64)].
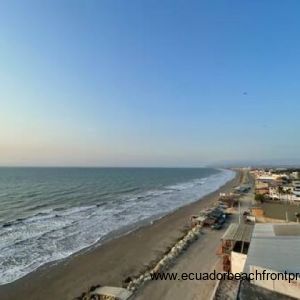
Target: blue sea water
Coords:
[(47, 214)]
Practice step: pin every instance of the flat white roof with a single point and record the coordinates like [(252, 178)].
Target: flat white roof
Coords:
[(275, 247)]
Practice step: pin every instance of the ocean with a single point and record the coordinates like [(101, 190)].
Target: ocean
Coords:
[(47, 214)]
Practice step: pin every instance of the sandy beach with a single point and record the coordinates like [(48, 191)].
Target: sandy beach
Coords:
[(199, 258), (112, 262)]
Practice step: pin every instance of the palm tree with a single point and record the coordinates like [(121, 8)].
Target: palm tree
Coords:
[(280, 191)]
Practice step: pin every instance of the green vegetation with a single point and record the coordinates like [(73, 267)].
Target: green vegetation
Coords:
[(260, 198), (280, 190)]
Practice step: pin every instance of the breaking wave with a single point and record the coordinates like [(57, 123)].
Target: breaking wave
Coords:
[(50, 234)]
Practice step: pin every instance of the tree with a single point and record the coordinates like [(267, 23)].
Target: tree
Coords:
[(280, 189), (260, 198)]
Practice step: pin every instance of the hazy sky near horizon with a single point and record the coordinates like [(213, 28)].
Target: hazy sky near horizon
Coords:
[(149, 83)]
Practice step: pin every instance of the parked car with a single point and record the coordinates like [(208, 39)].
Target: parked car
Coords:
[(216, 226), (221, 220)]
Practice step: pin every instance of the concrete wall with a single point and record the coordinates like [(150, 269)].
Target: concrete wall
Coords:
[(257, 212), (237, 262), (280, 286)]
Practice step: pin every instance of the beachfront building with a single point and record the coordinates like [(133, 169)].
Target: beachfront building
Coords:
[(271, 175), (234, 247), (275, 248), (296, 189), (261, 188), (288, 194), (267, 176)]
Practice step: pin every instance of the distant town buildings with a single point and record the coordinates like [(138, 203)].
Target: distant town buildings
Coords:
[(296, 189), (277, 184)]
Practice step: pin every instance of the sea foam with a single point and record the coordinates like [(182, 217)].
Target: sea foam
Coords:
[(53, 234)]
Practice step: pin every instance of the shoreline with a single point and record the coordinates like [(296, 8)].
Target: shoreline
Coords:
[(110, 262)]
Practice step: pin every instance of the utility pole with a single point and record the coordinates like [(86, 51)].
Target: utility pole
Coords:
[(239, 211), (286, 213)]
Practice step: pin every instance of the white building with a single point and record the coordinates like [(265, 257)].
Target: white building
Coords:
[(288, 196), (275, 248), (296, 188)]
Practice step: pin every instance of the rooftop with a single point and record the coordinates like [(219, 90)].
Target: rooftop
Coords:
[(275, 247), (252, 291), (238, 232)]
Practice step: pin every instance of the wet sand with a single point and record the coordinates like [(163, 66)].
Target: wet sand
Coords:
[(110, 263)]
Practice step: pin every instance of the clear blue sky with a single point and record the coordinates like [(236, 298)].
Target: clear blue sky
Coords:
[(149, 83)]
